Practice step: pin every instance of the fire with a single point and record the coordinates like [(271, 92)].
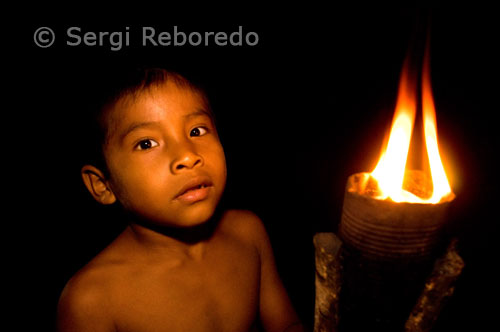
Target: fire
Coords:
[(390, 170)]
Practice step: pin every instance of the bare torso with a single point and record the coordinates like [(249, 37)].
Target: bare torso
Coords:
[(215, 288)]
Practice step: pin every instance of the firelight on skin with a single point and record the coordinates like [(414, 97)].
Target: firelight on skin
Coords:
[(167, 168), (175, 167)]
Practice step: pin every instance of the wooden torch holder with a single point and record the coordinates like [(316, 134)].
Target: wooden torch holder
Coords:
[(371, 275), (437, 289)]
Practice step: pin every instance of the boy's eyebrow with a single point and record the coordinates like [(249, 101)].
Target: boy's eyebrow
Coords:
[(199, 112), (136, 125)]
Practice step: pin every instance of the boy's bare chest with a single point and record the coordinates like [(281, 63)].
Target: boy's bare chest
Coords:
[(221, 292)]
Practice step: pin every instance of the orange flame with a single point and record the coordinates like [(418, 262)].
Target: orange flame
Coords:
[(390, 170)]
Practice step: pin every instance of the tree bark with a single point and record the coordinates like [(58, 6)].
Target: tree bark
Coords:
[(328, 282), (438, 288)]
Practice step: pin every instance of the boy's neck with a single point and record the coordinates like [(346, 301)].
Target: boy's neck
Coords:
[(188, 242)]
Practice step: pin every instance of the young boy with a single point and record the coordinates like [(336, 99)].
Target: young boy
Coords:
[(180, 264)]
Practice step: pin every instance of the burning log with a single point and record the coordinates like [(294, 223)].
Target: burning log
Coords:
[(438, 288), (328, 282)]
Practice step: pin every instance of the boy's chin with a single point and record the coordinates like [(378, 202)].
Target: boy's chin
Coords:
[(187, 228), (188, 219)]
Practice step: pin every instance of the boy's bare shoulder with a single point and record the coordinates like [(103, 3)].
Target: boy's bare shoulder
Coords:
[(245, 225), (91, 279), (86, 297), (84, 300)]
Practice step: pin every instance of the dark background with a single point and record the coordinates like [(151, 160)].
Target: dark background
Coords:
[(297, 114)]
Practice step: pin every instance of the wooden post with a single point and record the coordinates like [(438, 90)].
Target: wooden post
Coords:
[(328, 282), (438, 288), (388, 250)]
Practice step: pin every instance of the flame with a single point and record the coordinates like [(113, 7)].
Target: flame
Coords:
[(390, 170)]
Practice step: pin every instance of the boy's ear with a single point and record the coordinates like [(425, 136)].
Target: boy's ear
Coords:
[(98, 186)]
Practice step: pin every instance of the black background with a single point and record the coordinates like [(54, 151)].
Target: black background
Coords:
[(297, 114)]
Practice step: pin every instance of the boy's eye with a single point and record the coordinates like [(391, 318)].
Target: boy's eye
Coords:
[(198, 131), (146, 144)]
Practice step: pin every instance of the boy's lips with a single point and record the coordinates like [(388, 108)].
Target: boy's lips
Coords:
[(194, 190)]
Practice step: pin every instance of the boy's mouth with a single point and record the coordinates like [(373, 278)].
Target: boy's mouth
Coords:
[(201, 186), (194, 190)]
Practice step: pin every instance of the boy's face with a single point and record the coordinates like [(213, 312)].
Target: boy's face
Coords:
[(166, 162)]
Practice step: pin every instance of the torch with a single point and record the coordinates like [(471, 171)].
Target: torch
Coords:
[(393, 219)]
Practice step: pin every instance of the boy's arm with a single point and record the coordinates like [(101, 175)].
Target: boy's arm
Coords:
[(276, 310), (82, 308)]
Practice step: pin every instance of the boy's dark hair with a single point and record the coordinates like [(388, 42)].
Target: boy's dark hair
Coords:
[(112, 88)]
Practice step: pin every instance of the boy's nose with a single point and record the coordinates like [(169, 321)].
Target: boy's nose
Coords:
[(188, 159)]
